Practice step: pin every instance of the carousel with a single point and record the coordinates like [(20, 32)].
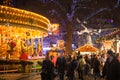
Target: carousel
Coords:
[(20, 30)]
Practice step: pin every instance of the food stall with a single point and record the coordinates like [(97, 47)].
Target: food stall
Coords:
[(19, 30), (87, 49)]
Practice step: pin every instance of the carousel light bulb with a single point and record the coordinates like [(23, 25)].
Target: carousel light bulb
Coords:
[(10, 20)]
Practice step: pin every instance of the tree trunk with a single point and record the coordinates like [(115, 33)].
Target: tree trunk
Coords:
[(69, 37)]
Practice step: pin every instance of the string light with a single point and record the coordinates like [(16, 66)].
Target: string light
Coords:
[(14, 15)]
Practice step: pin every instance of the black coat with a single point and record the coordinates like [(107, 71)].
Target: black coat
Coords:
[(47, 70), (96, 65), (61, 64), (113, 72), (72, 66), (105, 68)]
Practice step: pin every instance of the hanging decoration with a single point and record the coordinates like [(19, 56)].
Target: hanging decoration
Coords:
[(108, 36)]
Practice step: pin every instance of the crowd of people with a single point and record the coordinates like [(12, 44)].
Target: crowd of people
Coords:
[(74, 67)]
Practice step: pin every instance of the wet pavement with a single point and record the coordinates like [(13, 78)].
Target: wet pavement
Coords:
[(32, 76), (20, 76)]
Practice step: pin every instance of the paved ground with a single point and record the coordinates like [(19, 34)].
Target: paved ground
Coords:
[(20, 76), (30, 76)]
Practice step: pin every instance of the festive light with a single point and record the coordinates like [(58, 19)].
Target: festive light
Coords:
[(18, 16), (20, 32), (108, 36), (54, 28)]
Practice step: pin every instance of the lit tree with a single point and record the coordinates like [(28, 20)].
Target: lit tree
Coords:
[(65, 13)]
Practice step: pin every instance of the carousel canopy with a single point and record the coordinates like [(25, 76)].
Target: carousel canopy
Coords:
[(87, 48)]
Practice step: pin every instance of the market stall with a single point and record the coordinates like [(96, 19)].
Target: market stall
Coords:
[(113, 39), (87, 49)]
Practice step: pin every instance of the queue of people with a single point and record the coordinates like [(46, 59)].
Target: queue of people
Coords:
[(75, 67)]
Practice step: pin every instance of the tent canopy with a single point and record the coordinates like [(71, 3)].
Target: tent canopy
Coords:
[(87, 48)]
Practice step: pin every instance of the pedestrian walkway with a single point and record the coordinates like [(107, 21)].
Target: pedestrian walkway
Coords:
[(20, 76), (31, 76)]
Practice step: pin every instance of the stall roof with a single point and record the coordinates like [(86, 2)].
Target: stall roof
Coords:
[(87, 48)]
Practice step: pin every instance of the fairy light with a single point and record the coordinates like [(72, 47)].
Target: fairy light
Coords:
[(23, 17)]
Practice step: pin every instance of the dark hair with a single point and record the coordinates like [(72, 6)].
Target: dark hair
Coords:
[(110, 52)]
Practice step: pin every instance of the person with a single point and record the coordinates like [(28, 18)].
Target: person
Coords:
[(81, 66), (96, 69), (55, 59), (23, 55), (71, 68), (111, 68), (78, 55), (87, 66), (61, 65), (103, 59), (47, 69), (113, 72)]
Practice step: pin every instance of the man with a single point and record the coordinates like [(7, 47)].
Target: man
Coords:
[(47, 69), (61, 65), (111, 68), (106, 65), (114, 69)]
